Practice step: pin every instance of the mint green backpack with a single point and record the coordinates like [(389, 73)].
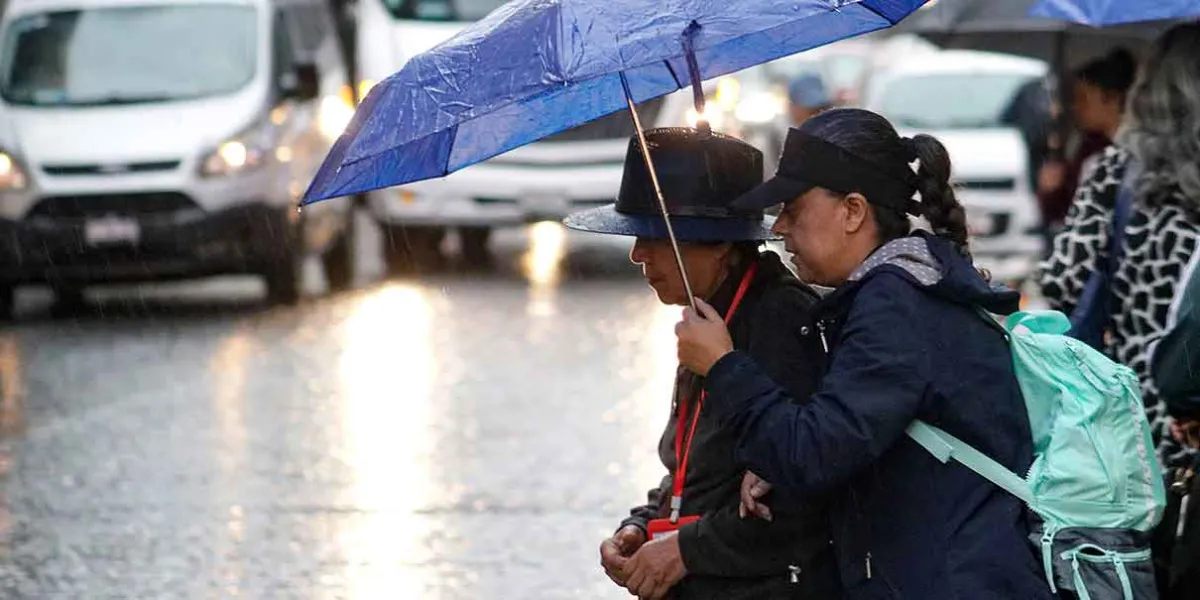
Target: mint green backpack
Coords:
[(1095, 482)]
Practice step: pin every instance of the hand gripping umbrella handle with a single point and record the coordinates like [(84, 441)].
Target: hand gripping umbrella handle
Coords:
[(662, 203)]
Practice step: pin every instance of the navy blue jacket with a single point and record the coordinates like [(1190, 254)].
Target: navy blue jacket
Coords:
[(906, 342)]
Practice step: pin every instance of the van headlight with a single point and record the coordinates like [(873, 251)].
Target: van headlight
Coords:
[(12, 175), (364, 87), (760, 108), (240, 154), (335, 113)]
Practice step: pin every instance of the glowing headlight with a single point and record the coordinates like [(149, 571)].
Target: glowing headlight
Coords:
[(233, 154), (364, 88), (232, 157), (729, 91), (333, 116), (12, 176), (760, 108)]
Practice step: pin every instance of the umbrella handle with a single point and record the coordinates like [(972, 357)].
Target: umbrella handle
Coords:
[(662, 203)]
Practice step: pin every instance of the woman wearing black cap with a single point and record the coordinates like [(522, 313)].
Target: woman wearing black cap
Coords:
[(906, 341), (702, 547)]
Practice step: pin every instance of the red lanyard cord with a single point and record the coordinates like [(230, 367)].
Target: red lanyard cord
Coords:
[(684, 450)]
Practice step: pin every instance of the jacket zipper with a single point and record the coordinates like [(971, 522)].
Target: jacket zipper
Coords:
[(821, 332), (868, 566)]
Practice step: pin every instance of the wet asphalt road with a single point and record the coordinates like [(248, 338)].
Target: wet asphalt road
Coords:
[(463, 435)]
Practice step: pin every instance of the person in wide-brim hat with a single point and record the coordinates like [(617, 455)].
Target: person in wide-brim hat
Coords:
[(716, 554)]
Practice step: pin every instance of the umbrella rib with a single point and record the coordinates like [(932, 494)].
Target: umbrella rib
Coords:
[(671, 70), (450, 150)]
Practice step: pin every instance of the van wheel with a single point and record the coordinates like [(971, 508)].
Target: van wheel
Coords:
[(338, 262), (283, 282), (475, 248), (8, 302), (284, 274), (413, 249), (68, 301)]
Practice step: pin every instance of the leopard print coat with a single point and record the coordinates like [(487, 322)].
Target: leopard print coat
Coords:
[(1159, 240)]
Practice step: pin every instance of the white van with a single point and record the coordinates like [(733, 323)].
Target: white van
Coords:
[(960, 97), (549, 179), (152, 139)]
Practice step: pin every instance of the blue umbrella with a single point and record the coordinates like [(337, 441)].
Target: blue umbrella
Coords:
[(534, 68), (1102, 13)]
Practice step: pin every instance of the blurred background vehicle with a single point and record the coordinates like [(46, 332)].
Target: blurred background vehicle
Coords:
[(961, 97), (155, 139), (756, 103), (574, 169)]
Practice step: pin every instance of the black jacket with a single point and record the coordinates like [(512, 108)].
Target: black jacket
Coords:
[(726, 556)]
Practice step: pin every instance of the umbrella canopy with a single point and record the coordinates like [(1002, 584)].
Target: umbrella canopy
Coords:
[(1103, 13), (1009, 26), (537, 67)]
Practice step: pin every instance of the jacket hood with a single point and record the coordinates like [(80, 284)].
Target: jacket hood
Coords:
[(935, 265)]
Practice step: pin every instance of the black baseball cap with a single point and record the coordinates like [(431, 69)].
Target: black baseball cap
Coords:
[(809, 161)]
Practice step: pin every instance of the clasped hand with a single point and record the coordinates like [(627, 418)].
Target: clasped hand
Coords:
[(647, 570)]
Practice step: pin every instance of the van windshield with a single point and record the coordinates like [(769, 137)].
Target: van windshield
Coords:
[(128, 55), (953, 100), (442, 10)]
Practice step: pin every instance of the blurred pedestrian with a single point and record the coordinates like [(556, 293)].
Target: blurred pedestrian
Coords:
[(807, 96), (1098, 96), (1157, 154), (906, 340), (1162, 137), (1032, 112), (711, 551)]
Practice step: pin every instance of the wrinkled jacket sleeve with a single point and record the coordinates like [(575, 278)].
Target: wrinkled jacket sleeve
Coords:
[(640, 515), (722, 543), (876, 386)]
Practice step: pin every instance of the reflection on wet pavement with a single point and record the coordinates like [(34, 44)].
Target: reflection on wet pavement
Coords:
[(458, 436)]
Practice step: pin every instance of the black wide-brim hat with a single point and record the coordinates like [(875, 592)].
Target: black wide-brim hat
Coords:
[(701, 174)]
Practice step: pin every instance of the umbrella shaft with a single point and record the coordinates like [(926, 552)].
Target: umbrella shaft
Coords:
[(662, 203)]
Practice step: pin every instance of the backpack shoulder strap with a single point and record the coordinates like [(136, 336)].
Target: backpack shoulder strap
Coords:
[(991, 321), (946, 447), (1122, 210)]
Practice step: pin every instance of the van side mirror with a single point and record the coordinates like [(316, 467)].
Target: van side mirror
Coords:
[(303, 83)]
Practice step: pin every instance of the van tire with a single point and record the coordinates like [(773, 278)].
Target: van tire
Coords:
[(283, 275), (283, 283), (338, 262), (413, 249), (8, 302), (474, 243), (68, 301)]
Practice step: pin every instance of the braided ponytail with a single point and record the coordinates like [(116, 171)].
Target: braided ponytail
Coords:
[(872, 137), (938, 205)]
